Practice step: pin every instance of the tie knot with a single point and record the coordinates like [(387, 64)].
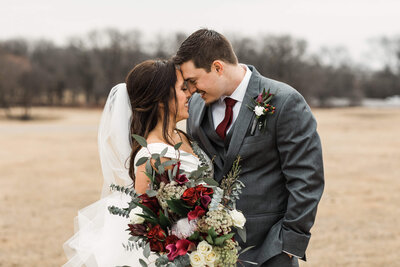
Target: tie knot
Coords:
[(230, 102)]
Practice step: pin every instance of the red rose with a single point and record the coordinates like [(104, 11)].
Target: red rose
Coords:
[(190, 196), (150, 202), (156, 246), (156, 233), (201, 190), (197, 212), (156, 236)]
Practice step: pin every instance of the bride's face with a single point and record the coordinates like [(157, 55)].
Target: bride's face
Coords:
[(182, 97)]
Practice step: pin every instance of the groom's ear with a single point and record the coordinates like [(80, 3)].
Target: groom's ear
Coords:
[(218, 66)]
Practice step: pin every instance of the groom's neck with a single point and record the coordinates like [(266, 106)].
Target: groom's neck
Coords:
[(235, 75)]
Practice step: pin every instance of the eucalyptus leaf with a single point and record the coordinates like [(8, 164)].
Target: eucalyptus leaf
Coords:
[(146, 251), (149, 169), (251, 262), (169, 163), (162, 260), (163, 152), (155, 156), (210, 181), (141, 161), (141, 140), (246, 249), (151, 193), (174, 171), (242, 233), (143, 263), (177, 146)]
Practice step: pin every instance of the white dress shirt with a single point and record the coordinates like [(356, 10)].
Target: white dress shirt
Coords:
[(218, 108)]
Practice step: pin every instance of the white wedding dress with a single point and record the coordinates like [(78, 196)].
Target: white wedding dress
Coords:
[(99, 235)]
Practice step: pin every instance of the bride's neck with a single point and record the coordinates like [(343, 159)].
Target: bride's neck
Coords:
[(157, 132)]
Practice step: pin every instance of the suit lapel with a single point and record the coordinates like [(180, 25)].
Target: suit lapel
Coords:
[(245, 117)]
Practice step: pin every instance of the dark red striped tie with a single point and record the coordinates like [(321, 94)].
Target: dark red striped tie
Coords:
[(224, 125)]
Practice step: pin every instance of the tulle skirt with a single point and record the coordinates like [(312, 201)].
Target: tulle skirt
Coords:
[(99, 236)]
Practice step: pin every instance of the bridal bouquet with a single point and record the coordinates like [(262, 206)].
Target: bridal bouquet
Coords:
[(184, 220)]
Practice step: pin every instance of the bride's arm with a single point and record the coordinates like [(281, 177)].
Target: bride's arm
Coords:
[(142, 181)]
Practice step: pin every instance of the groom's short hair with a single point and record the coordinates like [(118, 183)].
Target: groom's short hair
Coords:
[(204, 47)]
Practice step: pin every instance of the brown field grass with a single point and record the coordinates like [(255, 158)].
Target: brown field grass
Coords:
[(49, 169)]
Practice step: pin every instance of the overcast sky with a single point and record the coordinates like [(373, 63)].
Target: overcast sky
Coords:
[(348, 23)]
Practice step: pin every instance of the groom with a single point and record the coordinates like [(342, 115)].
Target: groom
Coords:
[(281, 164)]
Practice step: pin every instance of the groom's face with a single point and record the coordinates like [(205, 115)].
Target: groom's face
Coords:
[(207, 84)]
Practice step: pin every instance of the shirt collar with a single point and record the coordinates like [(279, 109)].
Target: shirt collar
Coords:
[(240, 91)]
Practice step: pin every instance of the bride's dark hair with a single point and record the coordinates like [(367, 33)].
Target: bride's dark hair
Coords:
[(150, 84)]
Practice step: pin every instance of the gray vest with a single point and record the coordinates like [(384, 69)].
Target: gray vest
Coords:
[(221, 146)]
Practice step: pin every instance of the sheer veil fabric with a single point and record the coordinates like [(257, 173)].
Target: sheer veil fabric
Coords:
[(99, 235)]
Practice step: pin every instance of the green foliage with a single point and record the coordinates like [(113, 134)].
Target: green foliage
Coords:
[(141, 161), (178, 206), (127, 191), (118, 211), (231, 185), (162, 260), (141, 140), (177, 146)]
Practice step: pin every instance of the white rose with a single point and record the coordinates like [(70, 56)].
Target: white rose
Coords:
[(197, 259), (238, 218), (204, 248), (259, 110), (210, 258), (136, 219)]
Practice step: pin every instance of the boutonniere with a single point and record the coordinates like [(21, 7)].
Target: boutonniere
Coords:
[(261, 109)]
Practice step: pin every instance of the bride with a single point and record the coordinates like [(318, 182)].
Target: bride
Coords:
[(150, 104)]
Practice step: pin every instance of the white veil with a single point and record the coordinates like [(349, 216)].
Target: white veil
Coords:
[(113, 138), (95, 228)]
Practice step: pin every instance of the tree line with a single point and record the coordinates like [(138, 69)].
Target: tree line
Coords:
[(82, 72)]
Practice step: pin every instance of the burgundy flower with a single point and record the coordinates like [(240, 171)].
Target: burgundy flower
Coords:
[(150, 202), (201, 190), (181, 179), (197, 212), (179, 249), (191, 195), (205, 200), (171, 239), (162, 178), (137, 229)]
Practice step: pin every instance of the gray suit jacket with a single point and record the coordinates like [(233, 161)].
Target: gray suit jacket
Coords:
[(281, 168)]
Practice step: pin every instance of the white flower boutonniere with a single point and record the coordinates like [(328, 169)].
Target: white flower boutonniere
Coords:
[(261, 109)]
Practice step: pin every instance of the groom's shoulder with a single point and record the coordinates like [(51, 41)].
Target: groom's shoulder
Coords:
[(274, 86), (280, 89)]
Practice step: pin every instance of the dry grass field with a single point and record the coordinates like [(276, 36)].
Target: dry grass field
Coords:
[(49, 169)]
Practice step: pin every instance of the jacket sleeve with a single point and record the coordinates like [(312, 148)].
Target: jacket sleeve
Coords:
[(300, 154)]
